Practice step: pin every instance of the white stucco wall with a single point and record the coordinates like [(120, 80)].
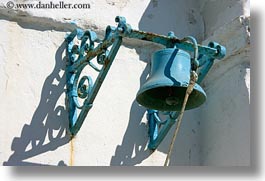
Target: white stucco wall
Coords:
[(115, 132), (216, 13), (225, 131)]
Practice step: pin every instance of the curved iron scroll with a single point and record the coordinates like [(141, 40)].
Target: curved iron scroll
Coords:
[(80, 51)]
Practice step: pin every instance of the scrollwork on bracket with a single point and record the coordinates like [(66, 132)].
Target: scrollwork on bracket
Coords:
[(79, 44), (82, 48)]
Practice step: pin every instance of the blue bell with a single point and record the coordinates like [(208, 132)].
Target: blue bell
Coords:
[(166, 86)]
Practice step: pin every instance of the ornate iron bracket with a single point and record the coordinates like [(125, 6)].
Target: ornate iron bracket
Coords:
[(84, 45)]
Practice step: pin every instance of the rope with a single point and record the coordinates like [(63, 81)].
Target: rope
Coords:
[(193, 79)]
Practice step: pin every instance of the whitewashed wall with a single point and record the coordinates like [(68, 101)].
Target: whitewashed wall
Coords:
[(32, 87), (225, 117)]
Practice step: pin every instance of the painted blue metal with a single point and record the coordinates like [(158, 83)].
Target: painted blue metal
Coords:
[(81, 54), (157, 135), (157, 131), (76, 88), (169, 78)]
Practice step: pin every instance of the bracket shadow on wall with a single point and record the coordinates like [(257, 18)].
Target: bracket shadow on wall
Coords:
[(163, 91)]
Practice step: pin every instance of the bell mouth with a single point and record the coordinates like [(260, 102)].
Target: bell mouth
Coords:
[(170, 98)]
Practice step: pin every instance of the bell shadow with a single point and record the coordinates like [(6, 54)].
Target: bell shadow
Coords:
[(49, 123), (133, 149)]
